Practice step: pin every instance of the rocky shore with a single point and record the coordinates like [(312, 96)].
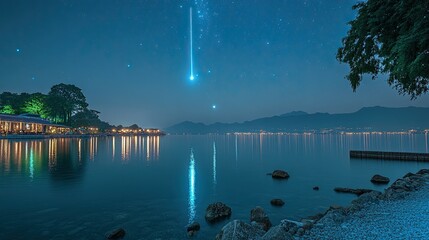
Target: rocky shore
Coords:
[(397, 213)]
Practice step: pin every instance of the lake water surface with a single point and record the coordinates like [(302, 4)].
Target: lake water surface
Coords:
[(154, 186)]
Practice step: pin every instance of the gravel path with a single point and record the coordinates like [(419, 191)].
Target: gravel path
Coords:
[(398, 219)]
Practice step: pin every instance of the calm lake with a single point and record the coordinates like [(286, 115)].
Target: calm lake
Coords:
[(154, 186)]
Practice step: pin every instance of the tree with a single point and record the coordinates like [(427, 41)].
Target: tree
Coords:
[(134, 127), (7, 109), (12, 102), (88, 118), (389, 37), (64, 100), (85, 118), (36, 104)]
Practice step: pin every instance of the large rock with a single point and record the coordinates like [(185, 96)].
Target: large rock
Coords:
[(291, 226), (116, 234), (423, 171), (365, 200), (278, 232), (378, 179), (258, 215), (358, 191), (217, 211), (239, 230), (277, 202), (280, 174), (193, 228), (403, 186), (333, 216)]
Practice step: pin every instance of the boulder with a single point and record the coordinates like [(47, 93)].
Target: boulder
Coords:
[(239, 230), (378, 179), (358, 191), (403, 186), (409, 175), (118, 233), (300, 232), (258, 215), (423, 171), (316, 217), (364, 200), (278, 232), (217, 211), (277, 202), (280, 174), (334, 215), (192, 228), (291, 226)]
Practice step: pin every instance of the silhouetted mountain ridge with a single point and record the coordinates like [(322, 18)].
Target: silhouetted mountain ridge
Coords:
[(366, 119)]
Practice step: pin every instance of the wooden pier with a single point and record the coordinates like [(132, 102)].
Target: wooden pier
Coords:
[(405, 156)]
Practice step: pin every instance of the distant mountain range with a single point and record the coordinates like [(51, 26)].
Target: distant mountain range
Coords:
[(366, 119)]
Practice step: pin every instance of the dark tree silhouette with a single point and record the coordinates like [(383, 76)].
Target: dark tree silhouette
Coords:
[(65, 100), (389, 37)]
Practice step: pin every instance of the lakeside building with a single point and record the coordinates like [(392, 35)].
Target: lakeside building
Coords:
[(29, 124), (136, 131)]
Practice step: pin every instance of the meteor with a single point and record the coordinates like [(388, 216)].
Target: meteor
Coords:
[(191, 77)]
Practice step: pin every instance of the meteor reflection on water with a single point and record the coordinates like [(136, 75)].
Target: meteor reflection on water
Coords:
[(192, 207)]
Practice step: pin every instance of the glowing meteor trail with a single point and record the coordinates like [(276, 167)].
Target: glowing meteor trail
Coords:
[(191, 77)]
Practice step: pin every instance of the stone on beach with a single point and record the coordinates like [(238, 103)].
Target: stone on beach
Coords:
[(239, 230), (217, 211), (277, 202), (376, 215), (280, 174), (193, 228), (259, 216), (278, 232), (357, 191), (291, 226), (423, 171), (116, 234), (378, 179)]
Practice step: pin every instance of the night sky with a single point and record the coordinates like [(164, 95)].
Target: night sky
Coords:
[(252, 58)]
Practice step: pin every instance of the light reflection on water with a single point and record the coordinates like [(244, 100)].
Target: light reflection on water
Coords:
[(192, 207), (214, 163), (115, 177)]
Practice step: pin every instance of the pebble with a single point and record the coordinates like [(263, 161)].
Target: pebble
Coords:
[(399, 219)]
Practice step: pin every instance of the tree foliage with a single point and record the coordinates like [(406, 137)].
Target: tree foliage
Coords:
[(389, 37), (64, 100), (7, 109), (11, 103), (88, 118), (64, 104), (36, 104)]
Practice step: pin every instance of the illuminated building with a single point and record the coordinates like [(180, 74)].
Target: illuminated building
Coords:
[(29, 124)]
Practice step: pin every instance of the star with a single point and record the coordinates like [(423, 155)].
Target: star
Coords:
[(18, 50), (214, 106)]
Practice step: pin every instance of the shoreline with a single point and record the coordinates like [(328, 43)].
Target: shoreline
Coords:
[(51, 136), (371, 215)]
